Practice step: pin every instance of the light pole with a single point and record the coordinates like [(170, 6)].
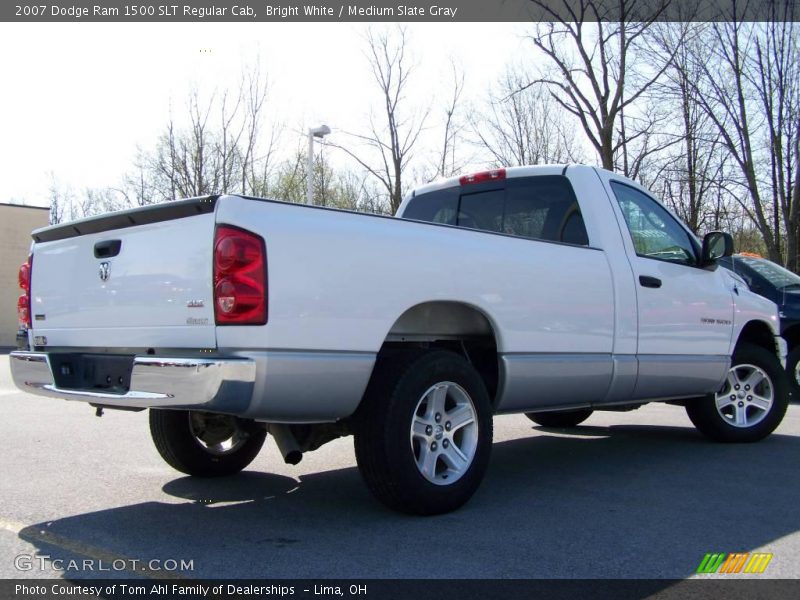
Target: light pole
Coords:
[(318, 132)]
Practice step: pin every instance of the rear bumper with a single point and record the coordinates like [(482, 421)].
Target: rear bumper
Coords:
[(208, 383), (272, 386)]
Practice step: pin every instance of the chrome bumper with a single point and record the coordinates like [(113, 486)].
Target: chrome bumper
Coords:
[(215, 384)]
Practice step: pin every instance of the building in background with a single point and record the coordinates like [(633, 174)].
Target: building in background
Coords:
[(16, 224)]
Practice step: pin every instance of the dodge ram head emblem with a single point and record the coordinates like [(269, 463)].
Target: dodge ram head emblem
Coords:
[(104, 274)]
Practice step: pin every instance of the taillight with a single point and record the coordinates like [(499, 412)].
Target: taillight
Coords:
[(493, 175), (24, 301), (240, 277)]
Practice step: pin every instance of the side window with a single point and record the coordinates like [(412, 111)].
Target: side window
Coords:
[(440, 206), (544, 208), (541, 207), (655, 233)]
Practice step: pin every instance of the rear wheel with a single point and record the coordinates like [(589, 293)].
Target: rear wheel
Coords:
[(751, 403), (423, 433), (205, 444), (560, 418)]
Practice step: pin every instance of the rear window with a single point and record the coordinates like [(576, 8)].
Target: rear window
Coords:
[(482, 210), (435, 207), (541, 208)]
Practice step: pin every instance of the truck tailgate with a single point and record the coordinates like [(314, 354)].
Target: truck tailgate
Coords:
[(124, 284)]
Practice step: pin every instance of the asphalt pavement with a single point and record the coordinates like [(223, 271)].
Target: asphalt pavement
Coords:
[(627, 495)]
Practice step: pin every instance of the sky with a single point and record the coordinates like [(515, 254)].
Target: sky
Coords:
[(78, 98)]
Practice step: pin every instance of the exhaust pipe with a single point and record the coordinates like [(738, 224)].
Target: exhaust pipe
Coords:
[(286, 442)]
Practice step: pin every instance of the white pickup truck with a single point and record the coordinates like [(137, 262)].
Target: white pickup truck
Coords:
[(551, 291)]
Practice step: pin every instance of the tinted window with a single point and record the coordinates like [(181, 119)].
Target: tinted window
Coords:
[(542, 207), (434, 207), (654, 232), (483, 210), (574, 231)]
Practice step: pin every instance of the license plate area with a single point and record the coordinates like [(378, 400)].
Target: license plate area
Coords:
[(99, 372)]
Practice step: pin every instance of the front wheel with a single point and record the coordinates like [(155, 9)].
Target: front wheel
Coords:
[(751, 403), (423, 433), (205, 444)]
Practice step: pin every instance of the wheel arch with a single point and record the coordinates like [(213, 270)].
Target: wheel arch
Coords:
[(454, 325), (760, 334)]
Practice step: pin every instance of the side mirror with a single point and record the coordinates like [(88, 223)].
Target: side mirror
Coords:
[(716, 244)]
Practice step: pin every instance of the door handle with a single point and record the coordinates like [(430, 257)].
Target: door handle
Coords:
[(651, 282), (107, 249)]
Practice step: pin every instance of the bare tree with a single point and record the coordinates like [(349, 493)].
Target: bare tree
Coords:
[(257, 152), (523, 125), (448, 160), (357, 191), (68, 205), (333, 188), (388, 147), (61, 201), (689, 174), (220, 149), (596, 76), (138, 187), (750, 90)]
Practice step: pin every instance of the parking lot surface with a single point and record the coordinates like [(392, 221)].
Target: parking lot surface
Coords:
[(626, 495)]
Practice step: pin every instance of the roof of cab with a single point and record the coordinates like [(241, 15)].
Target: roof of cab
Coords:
[(511, 172)]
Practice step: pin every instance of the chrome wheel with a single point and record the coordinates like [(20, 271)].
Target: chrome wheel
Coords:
[(216, 434), (747, 396), (444, 433)]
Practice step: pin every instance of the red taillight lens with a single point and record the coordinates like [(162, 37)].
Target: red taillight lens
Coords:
[(24, 276), (493, 175), (23, 312), (24, 301), (240, 277)]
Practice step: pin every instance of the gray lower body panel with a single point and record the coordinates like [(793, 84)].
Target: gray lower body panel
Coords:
[(542, 381), (678, 376), (308, 387), (532, 382)]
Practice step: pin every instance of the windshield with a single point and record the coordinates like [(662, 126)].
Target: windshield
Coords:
[(775, 274)]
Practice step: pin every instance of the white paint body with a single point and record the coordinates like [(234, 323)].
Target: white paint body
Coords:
[(573, 317)]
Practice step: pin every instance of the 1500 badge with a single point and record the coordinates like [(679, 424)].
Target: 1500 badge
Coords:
[(707, 321)]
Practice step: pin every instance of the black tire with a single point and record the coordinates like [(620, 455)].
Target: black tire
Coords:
[(720, 427), (176, 441), (560, 418), (791, 368), (386, 450)]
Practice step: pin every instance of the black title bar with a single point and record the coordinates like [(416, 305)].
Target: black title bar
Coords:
[(383, 589), (109, 11)]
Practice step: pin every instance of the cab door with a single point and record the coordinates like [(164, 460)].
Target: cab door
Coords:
[(685, 312)]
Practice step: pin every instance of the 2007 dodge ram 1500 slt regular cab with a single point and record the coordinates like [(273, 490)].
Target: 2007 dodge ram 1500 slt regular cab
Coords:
[(551, 291)]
